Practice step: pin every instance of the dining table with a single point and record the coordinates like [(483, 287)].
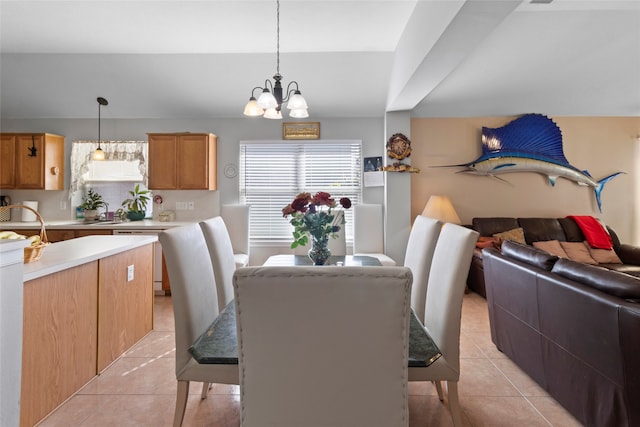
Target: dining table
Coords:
[(218, 344)]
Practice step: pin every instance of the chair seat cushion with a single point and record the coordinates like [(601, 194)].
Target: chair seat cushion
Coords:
[(384, 259)]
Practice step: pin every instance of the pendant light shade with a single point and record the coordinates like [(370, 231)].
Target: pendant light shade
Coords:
[(273, 95), (99, 154)]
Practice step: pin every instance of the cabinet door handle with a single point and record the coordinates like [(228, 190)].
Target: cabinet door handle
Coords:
[(55, 170)]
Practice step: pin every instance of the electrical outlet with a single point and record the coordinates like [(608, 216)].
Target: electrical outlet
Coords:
[(190, 206), (130, 270), (63, 205)]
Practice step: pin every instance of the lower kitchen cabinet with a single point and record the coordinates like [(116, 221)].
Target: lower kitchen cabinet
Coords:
[(77, 322), (60, 339), (126, 306)]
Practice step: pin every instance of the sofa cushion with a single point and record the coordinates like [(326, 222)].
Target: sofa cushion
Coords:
[(515, 235), (528, 255), (578, 251), (553, 247), (492, 225), (604, 256), (612, 282), (539, 229), (572, 232)]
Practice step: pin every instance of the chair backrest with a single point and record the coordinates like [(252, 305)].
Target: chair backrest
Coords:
[(221, 254), (193, 290), (236, 218), (368, 229), (447, 281), (420, 247), (337, 245), (321, 346)]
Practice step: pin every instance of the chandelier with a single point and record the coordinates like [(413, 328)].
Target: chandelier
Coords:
[(269, 103)]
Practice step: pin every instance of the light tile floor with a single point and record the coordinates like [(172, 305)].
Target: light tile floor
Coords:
[(139, 388)]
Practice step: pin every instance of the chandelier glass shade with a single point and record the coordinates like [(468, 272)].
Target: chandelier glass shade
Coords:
[(272, 96)]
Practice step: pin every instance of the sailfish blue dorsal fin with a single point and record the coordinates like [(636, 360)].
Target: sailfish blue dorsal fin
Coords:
[(532, 134)]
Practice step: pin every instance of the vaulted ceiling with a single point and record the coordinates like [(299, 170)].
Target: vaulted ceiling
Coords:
[(357, 58)]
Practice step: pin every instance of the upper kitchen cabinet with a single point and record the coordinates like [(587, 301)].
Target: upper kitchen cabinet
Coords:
[(183, 161), (32, 161)]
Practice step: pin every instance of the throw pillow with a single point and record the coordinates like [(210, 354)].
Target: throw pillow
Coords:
[(579, 252), (604, 256), (487, 242), (515, 235), (553, 247)]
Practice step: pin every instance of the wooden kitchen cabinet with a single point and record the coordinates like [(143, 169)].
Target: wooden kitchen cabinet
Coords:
[(22, 167), (60, 339), (126, 306), (183, 161)]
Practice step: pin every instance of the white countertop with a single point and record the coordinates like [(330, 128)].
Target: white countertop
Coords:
[(72, 253), (67, 224)]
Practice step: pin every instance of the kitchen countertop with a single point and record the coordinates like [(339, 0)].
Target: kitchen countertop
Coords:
[(72, 253), (71, 224)]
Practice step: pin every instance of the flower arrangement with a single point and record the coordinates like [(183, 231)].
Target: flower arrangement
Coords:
[(314, 216)]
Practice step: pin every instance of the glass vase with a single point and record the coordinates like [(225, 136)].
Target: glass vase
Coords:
[(319, 252)]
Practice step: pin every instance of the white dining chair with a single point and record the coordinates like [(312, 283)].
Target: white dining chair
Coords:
[(333, 352), (195, 306), (419, 253), (368, 231), (221, 254), (447, 281), (236, 218)]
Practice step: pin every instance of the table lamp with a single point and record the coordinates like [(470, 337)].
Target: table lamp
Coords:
[(440, 208)]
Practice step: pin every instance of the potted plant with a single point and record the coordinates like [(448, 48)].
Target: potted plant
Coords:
[(91, 202), (136, 205)]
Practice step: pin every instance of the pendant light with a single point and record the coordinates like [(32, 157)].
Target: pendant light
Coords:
[(269, 103), (99, 154)]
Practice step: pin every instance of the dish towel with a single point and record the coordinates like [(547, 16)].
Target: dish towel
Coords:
[(596, 235)]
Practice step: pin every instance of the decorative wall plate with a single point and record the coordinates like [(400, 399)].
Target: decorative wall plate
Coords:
[(230, 170), (398, 146)]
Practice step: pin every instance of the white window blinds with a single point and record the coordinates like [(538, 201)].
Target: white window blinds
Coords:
[(272, 173)]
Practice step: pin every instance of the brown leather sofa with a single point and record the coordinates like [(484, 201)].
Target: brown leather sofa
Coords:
[(571, 327), (541, 229)]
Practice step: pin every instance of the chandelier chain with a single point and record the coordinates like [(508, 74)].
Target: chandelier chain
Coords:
[(278, 36)]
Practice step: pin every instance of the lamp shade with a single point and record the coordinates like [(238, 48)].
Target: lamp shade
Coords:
[(272, 113), (266, 100), (297, 101), (252, 109), (440, 208), (299, 113)]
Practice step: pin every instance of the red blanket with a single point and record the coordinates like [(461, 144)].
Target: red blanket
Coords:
[(597, 236)]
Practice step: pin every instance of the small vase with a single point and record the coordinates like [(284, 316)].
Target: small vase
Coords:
[(319, 252)]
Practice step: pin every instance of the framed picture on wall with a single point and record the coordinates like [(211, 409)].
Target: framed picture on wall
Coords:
[(301, 130), (372, 168)]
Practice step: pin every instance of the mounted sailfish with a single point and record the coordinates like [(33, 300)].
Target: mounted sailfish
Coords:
[(531, 143)]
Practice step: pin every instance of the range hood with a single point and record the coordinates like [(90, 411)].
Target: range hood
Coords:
[(113, 171)]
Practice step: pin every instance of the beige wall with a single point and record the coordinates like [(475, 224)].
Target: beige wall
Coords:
[(601, 145)]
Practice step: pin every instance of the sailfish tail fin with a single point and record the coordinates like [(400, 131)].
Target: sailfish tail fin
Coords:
[(600, 186)]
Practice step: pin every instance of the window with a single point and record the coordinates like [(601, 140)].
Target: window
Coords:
[(272, 173)]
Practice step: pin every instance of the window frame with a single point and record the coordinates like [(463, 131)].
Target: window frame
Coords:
[(298, 153)]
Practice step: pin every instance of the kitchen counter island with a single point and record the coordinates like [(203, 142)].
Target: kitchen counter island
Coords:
[(86, 301)]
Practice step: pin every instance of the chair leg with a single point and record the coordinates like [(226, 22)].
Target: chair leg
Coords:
[(454, 403), (438, 385), (181, 403), (205, 390)]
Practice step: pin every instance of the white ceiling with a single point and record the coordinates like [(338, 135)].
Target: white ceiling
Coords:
[(358, 58)]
